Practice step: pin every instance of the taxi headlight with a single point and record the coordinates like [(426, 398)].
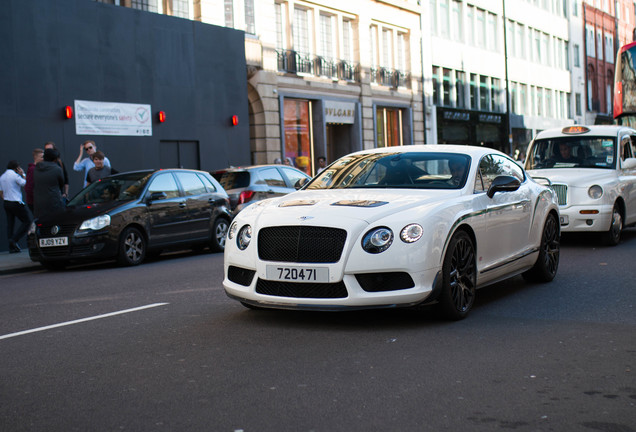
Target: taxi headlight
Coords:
[(244, 237), (377, 240), (411, 233), (595, 192), (96, 223)]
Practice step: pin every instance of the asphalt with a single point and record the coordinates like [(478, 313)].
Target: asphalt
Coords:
[(17, 262)]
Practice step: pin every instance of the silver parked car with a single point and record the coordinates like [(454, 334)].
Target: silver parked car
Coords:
[(246, 185)]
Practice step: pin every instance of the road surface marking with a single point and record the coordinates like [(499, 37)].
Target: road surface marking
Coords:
[(96, 317)]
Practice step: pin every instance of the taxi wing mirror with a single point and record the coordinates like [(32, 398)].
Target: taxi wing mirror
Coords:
[(503, 184), (300, 183), (629, 163)]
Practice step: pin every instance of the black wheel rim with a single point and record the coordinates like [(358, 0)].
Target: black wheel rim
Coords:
[(462, 275), (551, 245), (133, 246)]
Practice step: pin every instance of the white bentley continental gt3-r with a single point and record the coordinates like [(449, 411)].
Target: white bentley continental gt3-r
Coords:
[(393, 227), (593, 171)]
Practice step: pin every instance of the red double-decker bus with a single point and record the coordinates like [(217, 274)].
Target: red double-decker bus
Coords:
[(625, 86)]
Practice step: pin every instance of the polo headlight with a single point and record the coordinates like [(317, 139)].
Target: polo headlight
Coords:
[(595, 192), (377, 240), (411, 233), (96, 223), (244, 237)]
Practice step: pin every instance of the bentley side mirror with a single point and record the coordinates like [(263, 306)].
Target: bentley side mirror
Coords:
[(503, 184)]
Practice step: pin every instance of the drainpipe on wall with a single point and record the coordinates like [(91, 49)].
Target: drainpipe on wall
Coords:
[(423, 78)]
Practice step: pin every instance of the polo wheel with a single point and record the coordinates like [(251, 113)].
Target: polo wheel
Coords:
[(545, 269), (459, 277), (132, 247), (219, 234)]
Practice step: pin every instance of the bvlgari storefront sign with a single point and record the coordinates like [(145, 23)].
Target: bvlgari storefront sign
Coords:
[(339, 112)]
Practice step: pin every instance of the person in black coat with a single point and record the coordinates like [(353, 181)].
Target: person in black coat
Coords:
[(48, 184)]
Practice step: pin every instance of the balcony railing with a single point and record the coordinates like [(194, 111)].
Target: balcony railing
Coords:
[(298, 63), (390, 77)]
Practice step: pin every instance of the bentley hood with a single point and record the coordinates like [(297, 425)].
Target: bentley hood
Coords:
[(332, 206)]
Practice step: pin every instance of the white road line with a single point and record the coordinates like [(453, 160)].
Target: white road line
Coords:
[(96, 317)]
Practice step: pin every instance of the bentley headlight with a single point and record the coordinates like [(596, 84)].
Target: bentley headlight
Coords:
[(96, 223), (595, 192), (411, 233), (232, 231), (244, 237), (377, 240)]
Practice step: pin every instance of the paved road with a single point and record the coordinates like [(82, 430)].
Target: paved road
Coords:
[(174, 353)]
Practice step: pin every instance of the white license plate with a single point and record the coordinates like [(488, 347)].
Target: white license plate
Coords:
[(298, 274), (54, 241)]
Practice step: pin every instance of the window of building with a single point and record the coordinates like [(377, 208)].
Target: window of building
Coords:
[(178, 8), (575, 53), (480, 28), (521, 46), (326, 32), (540, 101), (548, 103), (389, 126), (599, 45), (301, 30), (470, 24), (145, 5), (609, 48), (484, 91), (433, 17), (523, 99), (401, 54), (577, 102), (511, 43), (373, 45), (456, 20), (514, 99), (533, 100), (436, 70), (491, 40), (444, 18), (228, 8), (590, 41), (387, 38), (250, 22), (347, 40), (446, 87), (495, 95), (280, 25), (460, 89), (474, 91), (298, 132)]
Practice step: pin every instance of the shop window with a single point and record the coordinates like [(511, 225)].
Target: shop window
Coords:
[(298, 133)]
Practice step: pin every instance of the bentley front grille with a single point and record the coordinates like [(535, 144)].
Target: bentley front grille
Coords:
[(301, 244)]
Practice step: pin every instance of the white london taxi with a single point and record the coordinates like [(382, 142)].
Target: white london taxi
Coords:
[(398, 226), (593, 171)]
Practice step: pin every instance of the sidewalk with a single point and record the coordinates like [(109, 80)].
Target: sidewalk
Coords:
[(17, 262)]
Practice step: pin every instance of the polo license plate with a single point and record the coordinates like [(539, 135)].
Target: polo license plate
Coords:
[(298, 274), (54, 241)]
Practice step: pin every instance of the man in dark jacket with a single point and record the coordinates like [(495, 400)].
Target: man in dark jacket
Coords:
[(48, 184)]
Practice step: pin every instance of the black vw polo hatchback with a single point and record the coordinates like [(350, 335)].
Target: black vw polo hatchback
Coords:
[(129, 215)]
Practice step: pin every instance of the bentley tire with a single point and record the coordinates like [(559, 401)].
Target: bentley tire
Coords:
[(459, 275), (545, 269)]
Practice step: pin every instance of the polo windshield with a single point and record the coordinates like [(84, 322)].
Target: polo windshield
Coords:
[(408, 170), (122, 187)]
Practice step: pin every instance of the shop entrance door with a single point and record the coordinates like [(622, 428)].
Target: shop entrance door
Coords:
[(338, 141)]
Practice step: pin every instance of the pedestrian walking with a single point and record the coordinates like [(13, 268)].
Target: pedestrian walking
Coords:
[(11, 184), (48, 180), (51, 145), (87, 163), (38, 156)]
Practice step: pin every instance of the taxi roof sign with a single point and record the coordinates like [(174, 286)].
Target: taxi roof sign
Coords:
[(573, 130)]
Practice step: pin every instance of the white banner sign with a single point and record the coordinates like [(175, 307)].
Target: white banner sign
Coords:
[(339, 112), (112, 118)]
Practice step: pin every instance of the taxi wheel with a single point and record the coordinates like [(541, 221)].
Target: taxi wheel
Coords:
[(613, 236), (219, 234), (459, 278), (132, 247), (545, 269)]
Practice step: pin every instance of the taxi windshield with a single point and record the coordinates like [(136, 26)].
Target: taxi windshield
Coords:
[(408, 170), (572, 152), (121, 187)]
